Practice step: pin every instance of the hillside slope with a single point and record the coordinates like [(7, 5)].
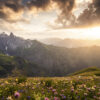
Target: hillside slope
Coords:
[(90, 71), (52, 60), (15, 66)]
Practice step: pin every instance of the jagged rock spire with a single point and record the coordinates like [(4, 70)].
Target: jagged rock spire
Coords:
[(11, 35)]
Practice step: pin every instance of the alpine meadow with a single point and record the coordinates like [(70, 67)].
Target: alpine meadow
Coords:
[(49, 49)]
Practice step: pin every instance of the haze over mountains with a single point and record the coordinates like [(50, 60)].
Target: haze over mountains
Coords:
[(71, 43), (48, 60)]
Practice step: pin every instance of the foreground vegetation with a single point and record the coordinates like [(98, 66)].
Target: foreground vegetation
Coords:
[(65, 88)]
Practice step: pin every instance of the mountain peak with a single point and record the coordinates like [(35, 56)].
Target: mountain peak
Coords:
[(11, 35)]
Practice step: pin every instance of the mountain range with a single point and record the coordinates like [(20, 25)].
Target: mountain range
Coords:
[(71, 43), (46, 60)]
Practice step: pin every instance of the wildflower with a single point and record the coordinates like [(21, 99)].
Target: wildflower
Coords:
[(28, 97), (6, 82), (3, 98), (99, 93), (17, 94), (85, 94), (88, 89), (79, 76), (53, 90), (42, 92), (71, 82), (94, 97), (55, 93), (56, 98), (64, 97), (48, 91), (9, 98), (83, 85), (46, 98), (16, 80), (76, 92), (78, 97), (92, 79), (72, 89), (62, 90), (20, 91), (61, 94), (50, 88), (32, 88), (95, 86)]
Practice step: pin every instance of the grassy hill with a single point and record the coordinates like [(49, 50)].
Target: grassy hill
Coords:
[(88, 71), (15, 66)]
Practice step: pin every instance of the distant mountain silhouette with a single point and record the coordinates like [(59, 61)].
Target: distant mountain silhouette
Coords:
[(51, 60), (71, 43)]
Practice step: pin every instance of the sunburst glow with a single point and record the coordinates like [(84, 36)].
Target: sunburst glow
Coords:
[(93, 33)]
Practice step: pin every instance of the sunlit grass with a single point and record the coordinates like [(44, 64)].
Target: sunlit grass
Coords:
[(57, 88)]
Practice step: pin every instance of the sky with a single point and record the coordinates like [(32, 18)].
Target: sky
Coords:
[(38, 19)]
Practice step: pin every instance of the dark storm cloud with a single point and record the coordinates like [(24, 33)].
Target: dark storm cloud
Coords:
[(90, 16), (12, 11), (66, 7), (10, 7), (43, 4), (17, 6)]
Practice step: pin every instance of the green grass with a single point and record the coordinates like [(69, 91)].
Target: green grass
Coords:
[(5, 58), (57, 88), (14, 66), (90, 71)]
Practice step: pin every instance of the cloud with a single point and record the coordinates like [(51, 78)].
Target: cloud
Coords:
[(66, 7), (90, 16), (39, 4), (17, 8), (13, 11)]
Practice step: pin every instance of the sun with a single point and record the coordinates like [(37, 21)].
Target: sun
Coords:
[(92, 33)]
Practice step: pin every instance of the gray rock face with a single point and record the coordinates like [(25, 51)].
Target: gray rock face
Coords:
[(12, 42)]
